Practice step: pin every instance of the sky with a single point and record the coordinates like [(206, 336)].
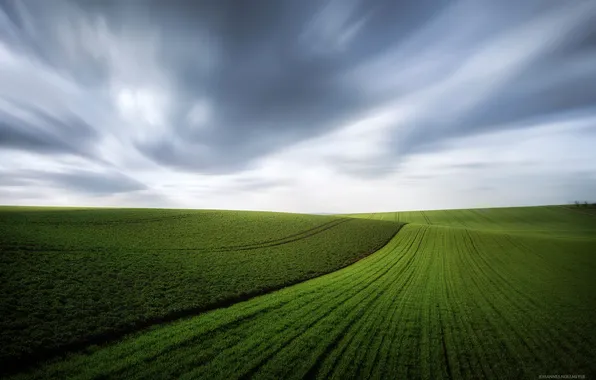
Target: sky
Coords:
[(323, 106)]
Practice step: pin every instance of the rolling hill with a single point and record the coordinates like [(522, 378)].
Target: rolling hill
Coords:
[(75, 277), (494, 293)]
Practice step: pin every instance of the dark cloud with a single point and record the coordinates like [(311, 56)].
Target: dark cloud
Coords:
[(33, 129), (267, 90), (539, 90), (272, 73), (272, 70)]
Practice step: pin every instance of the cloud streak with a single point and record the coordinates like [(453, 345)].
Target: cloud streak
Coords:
[(253, 105)]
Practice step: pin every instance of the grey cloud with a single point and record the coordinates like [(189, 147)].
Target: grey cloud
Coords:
[(275, 73), (82, 181), (58, 34), (553, 82), (29, 128), (253, 61), (95, 183), (9, 181)]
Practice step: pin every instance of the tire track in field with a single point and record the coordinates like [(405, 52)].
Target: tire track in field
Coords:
[(303, 316), (435, 302), (254, 321), (356, 338), (396, 359), (573, 341), (361, 347), (275, 242), (356, 314), (523, 304), (453, 316), (473, 259), (391, 316), (484, 217), (444, 346), (520, 308), (33, 358), (454, 311), (222, 329), (433, 326), (460, 218), (458, 315), (328, 363), (488, 369), (381, 278), (481, 296), (426, 218), (399, 316), (240, 247)]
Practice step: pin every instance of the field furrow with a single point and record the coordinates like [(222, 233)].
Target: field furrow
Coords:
[(75, 278), (456, 294), (435, 303)]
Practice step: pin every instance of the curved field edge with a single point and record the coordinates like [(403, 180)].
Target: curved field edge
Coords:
[(236, 275), (114, 229), (541, 221), (435, 302)]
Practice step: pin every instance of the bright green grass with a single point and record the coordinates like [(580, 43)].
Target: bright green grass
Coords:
[(75, 276), (557, 221), (437, 302)]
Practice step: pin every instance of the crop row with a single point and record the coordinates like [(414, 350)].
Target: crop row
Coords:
[(435, 302), (58, 300), (551, 221)]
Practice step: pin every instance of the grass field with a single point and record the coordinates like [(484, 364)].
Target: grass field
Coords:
[(72, 277), (499, 293), (560, 221)]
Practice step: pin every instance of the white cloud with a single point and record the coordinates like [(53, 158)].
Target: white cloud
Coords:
[(524, 167), (142, 105)]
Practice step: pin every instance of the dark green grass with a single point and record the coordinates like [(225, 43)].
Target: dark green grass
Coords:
[(71, 277), (436, 303)]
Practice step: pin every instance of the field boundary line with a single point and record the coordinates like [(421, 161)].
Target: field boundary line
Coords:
[(19, 363)]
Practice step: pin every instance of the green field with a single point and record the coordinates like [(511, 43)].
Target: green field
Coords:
[(559, 221), (73, 277), (494, 293)]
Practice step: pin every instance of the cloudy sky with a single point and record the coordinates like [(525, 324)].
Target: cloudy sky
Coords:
[(304, 106)]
